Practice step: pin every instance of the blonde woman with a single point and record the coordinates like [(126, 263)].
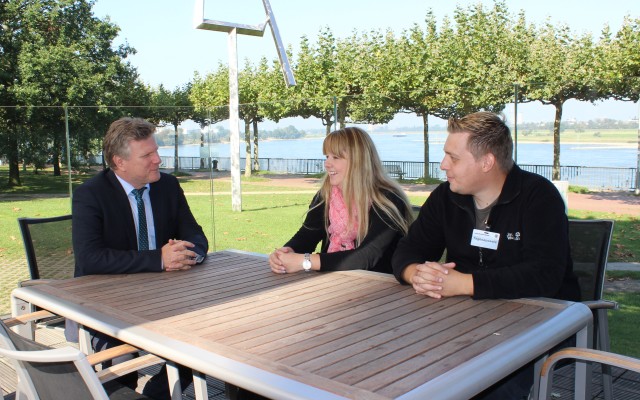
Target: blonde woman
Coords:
[(359, 213)]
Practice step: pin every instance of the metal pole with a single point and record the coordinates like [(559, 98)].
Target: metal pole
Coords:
[(234, 122), (637, 191), (66, 125), (211, 185), (515, 122)]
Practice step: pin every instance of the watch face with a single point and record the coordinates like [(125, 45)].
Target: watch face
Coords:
[(306, 265)]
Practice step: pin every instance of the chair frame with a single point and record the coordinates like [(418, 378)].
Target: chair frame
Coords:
[(24, 223), (581, 355), (83, 363)]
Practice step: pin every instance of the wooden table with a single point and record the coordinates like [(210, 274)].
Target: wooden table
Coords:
[(352, 334)]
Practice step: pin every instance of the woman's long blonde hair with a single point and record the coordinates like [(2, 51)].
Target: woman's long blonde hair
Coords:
[(364, 183)]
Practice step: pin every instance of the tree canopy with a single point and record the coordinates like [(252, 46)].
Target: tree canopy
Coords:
[(58, 64)]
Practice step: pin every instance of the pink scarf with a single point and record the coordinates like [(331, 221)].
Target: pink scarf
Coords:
[(342, 236)]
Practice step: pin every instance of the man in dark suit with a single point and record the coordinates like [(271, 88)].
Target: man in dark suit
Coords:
[(132, 218)]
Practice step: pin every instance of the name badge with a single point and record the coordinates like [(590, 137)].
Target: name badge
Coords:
[(485, 239)]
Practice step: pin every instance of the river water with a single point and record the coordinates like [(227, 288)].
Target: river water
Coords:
[(409, 147)]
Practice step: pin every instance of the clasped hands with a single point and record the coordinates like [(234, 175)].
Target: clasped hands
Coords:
[(439, 280), (177, 256), (283, 260)]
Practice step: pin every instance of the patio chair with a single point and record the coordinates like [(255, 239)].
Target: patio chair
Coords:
[(48, 247), (49, 251), (590, 241), (604, 358), (65, 373)]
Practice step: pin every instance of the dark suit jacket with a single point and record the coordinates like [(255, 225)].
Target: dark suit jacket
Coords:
[(104, 233)]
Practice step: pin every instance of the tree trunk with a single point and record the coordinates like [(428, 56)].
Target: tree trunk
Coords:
[(328, 124), (342, 114), (556, 143), (256, 161), (176, 160), (56, 162), (14, 162), (425, 136), (56, 156), (202, 145), (247, 152)]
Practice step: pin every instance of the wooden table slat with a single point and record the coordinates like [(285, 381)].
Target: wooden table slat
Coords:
[(402, 330), (305, 312), (446, 356)]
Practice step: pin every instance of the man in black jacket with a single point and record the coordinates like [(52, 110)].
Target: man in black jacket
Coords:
[(505, 230), (132, 218)]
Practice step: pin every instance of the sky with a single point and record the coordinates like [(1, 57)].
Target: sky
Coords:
[(170, 49)]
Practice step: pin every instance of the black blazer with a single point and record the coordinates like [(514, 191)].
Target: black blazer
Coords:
[(104, 233)]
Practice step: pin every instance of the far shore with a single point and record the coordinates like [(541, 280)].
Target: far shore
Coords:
[(624, 144)]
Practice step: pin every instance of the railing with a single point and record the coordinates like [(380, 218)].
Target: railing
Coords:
[(594, 178)]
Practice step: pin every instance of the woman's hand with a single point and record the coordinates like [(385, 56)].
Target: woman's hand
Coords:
[(277, 261)]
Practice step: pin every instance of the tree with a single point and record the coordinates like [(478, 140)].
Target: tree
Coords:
[(249, 91), (475, 50), (277, 101), (562, 68), (56, 53), (272, 93), (620, 68), (365, 67), (461, 69), (172, 107), (206, 113), (418, 66), (210, 95), (317, 83)]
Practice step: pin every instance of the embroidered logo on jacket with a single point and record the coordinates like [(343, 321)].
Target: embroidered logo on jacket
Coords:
[(513, 236)]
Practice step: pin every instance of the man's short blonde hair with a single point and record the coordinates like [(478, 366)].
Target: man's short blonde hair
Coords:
[(488, 133), (120, 133)]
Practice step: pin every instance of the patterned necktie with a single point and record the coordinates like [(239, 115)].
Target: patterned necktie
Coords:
[(143, 236)]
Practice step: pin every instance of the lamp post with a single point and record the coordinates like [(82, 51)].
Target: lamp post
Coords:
[(233, 29)]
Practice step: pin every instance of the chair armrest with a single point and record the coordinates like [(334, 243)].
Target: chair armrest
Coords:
[(109, 354), (35, 282), (62, 354), (123, 368), (23, 319), (601, 304), (602, 357)]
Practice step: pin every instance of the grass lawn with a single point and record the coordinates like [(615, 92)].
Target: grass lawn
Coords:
[(624, 323), (267, 221)]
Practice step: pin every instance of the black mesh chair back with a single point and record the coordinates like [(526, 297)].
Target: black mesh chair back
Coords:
[(48, 247), (589, 241), (50, 380)]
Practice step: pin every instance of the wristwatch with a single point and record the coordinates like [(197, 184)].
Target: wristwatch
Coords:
[(306, 264)]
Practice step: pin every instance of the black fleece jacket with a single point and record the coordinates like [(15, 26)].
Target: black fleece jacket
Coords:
[(533, 257)]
